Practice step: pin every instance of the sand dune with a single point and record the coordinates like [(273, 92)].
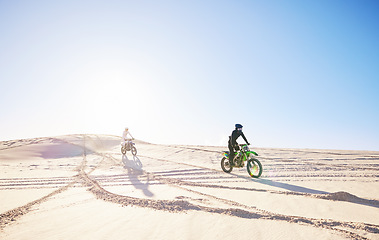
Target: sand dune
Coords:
[(82, 187)]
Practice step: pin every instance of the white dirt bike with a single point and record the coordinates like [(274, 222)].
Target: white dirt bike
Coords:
[(128, 145)]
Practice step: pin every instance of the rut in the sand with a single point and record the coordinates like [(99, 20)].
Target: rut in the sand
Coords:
[(236, 209), (190, 176)]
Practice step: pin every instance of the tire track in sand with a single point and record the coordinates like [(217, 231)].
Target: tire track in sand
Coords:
[(349, 229), (237, 210), (13, 215)]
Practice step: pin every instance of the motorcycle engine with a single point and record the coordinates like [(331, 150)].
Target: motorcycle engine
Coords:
[(238, 162)]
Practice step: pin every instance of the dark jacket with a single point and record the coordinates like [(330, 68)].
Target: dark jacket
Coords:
[(234, 136)]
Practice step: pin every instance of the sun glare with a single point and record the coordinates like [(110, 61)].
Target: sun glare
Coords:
[(113, 97)]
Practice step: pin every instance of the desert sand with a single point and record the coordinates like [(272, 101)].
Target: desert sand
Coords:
[(82, 187)]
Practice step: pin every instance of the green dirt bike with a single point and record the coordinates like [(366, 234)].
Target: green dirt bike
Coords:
[(254, 167)]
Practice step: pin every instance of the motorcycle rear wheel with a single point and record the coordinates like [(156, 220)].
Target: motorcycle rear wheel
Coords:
[(254, 168), (225, 165), (123, 150)]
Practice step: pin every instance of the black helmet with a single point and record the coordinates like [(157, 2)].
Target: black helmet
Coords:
[(238, 125)]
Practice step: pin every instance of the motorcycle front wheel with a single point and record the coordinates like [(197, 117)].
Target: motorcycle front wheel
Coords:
[(225, 165), (134, 151), (254, 168)]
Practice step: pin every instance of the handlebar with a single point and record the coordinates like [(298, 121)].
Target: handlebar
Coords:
[(242, 144)]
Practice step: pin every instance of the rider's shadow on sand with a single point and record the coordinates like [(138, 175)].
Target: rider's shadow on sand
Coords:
[(135, 163), (134, 168)]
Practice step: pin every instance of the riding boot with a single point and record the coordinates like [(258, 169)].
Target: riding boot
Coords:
[(231, 157), (231, 154)]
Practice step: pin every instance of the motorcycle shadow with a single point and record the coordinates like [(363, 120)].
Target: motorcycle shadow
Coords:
[(135, 174), (135, 163)]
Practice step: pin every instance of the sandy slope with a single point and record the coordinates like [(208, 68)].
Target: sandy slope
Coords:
[(81, 187)]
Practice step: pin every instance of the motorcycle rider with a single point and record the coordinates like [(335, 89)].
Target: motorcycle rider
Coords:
[(232, 143), (124, 135)]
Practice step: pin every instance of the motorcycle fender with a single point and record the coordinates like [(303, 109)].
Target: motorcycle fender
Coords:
[(256, 154)]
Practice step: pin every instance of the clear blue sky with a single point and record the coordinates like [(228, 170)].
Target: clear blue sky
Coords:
[(296, 74)]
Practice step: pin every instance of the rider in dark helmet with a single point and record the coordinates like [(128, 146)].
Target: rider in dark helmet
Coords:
[(232, 144)]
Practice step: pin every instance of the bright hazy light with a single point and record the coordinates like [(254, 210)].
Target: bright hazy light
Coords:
[(296, 74)]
